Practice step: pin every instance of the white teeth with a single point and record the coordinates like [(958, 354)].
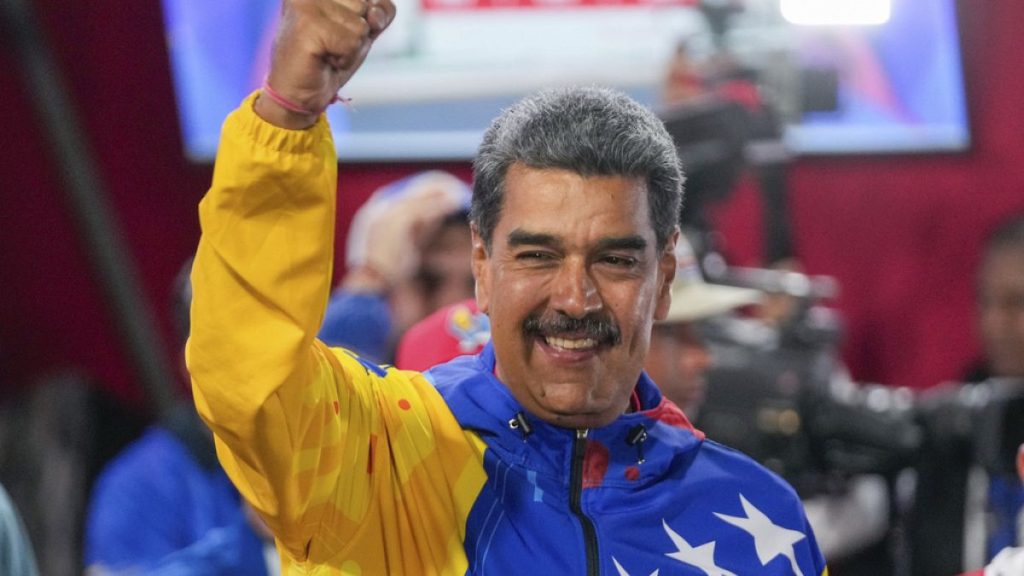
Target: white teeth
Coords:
[(567, 344)]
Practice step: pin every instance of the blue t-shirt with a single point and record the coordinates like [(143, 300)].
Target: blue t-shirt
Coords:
[(155, 508)]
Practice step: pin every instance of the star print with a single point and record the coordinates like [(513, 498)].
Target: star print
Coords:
[(702, 556), (770, 540), (622, 571)]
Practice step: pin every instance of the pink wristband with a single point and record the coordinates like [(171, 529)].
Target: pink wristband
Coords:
[(292, 106)]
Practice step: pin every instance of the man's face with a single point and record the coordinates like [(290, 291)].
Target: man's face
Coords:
[(1001, 311), (572, 284), (677, 362), (445, 274)]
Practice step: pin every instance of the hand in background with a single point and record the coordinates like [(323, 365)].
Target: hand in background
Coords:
[(388, 232)]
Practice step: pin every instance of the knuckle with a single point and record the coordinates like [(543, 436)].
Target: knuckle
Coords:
[(362, 29)]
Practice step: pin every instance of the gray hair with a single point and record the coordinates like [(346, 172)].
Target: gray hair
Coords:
[(590, 131)]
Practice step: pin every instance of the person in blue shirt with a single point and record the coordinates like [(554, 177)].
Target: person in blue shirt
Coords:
[(164, 506)]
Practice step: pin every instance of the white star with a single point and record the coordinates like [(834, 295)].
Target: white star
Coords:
[(702, 556), (622, 571), (769, 539)]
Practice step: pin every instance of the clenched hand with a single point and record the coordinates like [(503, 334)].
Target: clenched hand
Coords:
[(319, 45)]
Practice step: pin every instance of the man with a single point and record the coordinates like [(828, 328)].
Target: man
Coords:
[(679, 357), (969, 498), (407, 254), (548, 452), (1001, 303), (1001, 324), (677, 360)]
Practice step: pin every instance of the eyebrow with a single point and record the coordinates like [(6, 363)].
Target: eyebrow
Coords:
[(628, 243), (521, 237)]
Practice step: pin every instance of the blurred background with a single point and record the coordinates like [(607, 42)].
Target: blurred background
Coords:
[(106, 150)]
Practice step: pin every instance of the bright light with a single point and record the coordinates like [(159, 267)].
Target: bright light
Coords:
[(836, 12)]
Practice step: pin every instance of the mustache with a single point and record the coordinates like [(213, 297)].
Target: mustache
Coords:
[(596, 326)]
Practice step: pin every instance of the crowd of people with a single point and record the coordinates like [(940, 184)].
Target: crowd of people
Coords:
[(507, 377)]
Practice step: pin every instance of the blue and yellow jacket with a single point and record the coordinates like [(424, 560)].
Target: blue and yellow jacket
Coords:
[(364, 470)]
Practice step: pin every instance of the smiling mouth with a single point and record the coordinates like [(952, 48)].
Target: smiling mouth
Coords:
[(571, 344), (571, 341)]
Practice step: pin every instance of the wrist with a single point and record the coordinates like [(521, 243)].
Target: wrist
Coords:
[(276, 114)]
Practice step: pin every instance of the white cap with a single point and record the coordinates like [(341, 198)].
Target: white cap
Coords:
[(457, 194), (693, 298)]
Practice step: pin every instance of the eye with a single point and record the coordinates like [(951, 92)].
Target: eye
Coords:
[(619, 261), (534, 256)]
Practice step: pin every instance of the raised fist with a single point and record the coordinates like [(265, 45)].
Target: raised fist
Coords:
[(319, 45)]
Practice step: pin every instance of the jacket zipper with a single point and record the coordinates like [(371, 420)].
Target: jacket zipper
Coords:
[(575, 494)]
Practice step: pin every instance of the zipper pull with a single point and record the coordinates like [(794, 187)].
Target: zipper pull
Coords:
[(636, 436), (522, 424)]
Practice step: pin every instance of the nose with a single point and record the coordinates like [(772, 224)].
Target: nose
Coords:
[(575, 293)]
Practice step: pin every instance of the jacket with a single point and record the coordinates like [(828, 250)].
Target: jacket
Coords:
[(364, 469)]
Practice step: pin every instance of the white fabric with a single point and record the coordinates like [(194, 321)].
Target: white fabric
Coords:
[(695, 299)]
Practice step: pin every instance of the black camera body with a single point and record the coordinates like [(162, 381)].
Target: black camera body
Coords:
[(782, 397), (985, 418)]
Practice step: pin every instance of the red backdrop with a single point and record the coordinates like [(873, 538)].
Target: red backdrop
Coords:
[(899, 233)]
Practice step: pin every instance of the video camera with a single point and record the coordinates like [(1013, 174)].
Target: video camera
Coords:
[(780, 395)]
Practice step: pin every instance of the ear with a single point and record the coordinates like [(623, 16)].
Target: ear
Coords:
[(666, 275), (481, 271)]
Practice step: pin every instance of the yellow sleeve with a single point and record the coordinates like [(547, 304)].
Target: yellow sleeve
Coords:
[(349, 465), (261, 279)]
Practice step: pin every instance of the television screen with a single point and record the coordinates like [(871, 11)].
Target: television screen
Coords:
[(445, 68)]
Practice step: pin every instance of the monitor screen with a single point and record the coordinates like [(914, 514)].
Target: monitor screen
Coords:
[(445, 68)]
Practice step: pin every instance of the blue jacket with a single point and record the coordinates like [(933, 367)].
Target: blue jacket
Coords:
[(646, 494)]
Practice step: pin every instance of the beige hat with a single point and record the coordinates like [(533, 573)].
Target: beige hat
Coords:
[(693, 298)]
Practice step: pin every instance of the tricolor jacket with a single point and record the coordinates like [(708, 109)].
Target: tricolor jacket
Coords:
[(362, 469)]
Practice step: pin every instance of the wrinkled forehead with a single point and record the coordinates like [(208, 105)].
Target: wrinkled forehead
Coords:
[(559, 202)]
